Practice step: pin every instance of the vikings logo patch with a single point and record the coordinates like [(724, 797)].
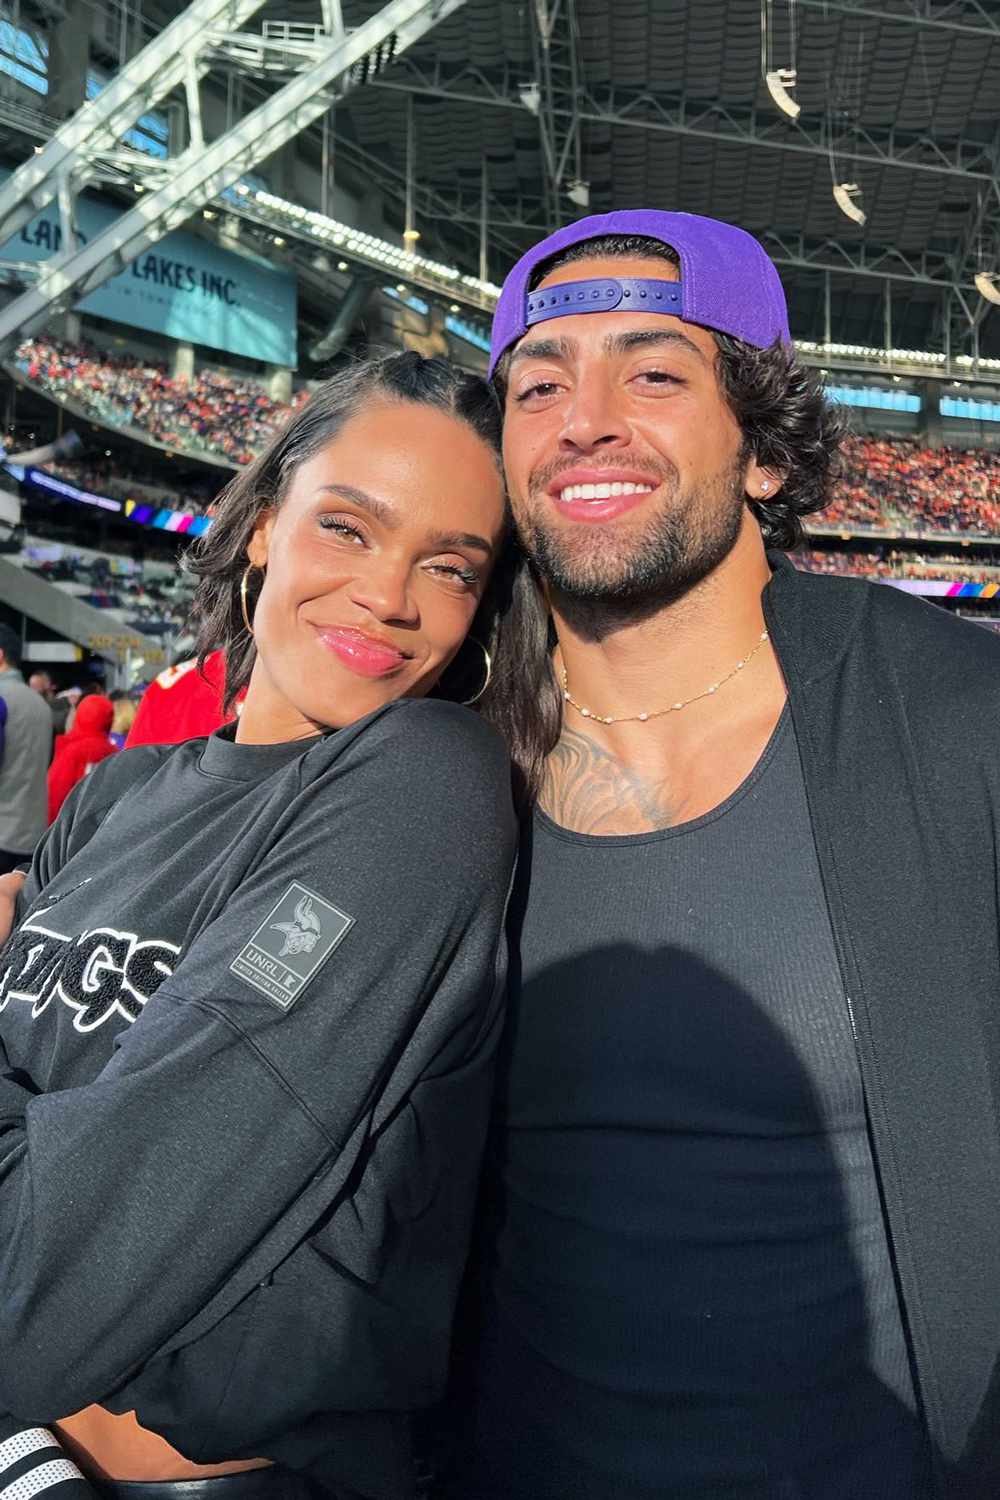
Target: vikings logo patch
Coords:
[(303, 933), (289, 946)]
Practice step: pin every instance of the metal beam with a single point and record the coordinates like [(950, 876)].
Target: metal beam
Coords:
[(882, 263), (920, 13), (554, 46), (199, 176), (973, 162), (99, 125)]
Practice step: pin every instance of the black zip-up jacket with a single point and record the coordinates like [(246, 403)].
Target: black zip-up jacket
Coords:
[(896, 708)]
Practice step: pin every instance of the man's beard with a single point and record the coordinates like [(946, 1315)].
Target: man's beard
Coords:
[(606, 575)]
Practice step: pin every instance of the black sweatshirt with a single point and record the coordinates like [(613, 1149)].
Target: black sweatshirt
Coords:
[(249, 1014)]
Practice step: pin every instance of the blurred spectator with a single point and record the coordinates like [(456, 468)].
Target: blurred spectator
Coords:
[(80, 749), (183, 703), (221, 413), (42, 683), (27, 745), (71, 697), (125, 710)]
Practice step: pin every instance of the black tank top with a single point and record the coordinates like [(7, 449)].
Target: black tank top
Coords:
[(691, 1293)]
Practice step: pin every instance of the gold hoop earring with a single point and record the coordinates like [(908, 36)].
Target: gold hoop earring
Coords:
[(243, 596), (468, 702)]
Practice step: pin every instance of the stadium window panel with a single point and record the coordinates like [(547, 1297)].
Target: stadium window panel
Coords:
[(468, 333), (150, 134), (969, 410), (873, 397), (23, 57), (408, 299)]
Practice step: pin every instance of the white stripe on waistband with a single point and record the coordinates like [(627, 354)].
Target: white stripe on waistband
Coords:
[(42, 1478), (23, 1443)]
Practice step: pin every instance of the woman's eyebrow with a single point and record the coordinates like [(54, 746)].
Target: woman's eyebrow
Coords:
[(446, 540), (381, 510), (388, 515)]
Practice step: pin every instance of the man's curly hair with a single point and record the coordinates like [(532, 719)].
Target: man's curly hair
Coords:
[(787, 423)]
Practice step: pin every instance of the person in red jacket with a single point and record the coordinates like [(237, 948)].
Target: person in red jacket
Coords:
[(181, 704), (77, 751)]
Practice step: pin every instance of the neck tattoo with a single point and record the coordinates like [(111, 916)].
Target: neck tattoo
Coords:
[(672, 708)]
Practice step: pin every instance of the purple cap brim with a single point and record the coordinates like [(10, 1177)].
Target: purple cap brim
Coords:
[(728, 281)]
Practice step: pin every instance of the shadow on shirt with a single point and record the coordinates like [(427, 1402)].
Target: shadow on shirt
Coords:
[(671, 1296)]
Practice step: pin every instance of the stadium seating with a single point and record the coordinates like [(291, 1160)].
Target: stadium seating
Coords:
[(224, 415), (895, 563), (888, 486), (899, 487)]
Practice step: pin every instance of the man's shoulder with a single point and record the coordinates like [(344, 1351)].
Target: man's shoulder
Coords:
[(832, 615), (24, 704)]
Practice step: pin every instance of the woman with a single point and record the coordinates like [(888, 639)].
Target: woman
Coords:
[(251, 1000), (80, 749)]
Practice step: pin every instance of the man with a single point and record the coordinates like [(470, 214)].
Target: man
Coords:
[(27, 745), (742, 1226), (41, 683)]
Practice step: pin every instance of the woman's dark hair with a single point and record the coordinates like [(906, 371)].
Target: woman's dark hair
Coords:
[(219, 558), (788, 425)]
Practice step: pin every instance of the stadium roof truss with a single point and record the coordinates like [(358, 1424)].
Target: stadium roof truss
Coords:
[(523, 114), (326, 63), (566, 107)]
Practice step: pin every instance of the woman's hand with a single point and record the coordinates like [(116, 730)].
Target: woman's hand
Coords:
[(10, 889)]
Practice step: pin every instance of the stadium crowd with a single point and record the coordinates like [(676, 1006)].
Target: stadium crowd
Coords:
[(896, 563), (227, 415), (900, 485), (888, 484), (155, 606)]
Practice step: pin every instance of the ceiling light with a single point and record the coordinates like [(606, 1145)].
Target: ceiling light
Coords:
[(401, 288), (530, 95), (986, 286), (455, 308), (844, 194), (278, 241), (411, 234), (578, 192), (342, 265), (779, 81)]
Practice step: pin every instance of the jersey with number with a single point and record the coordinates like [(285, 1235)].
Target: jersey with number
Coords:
[(183, 703)]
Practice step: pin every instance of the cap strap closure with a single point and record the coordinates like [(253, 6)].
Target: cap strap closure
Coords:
[(603, 294)]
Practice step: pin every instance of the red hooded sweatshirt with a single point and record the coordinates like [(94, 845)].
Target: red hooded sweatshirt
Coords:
[(80, 749)]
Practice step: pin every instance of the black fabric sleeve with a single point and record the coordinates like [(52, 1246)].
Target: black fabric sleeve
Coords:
[(129, 1204)]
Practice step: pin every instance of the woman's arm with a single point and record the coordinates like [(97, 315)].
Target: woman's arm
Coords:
[(355, 966)]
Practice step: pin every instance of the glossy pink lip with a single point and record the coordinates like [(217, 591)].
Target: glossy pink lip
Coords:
[(364, 654), (599, 510)]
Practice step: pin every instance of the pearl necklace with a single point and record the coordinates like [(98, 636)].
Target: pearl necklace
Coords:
[(673, 708)]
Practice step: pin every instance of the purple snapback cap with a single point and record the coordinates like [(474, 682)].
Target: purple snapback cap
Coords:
[(728, 282)]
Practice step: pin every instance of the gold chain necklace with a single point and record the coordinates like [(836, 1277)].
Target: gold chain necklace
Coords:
[(673, 708)]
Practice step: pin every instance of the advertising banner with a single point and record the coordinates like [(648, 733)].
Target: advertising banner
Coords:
[(183, 287)]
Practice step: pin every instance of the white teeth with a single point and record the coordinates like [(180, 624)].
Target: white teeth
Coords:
[(604, 491)]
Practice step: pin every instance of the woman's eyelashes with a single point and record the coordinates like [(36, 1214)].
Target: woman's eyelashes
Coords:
[(342, 527), (350, 531), (465, 575)]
